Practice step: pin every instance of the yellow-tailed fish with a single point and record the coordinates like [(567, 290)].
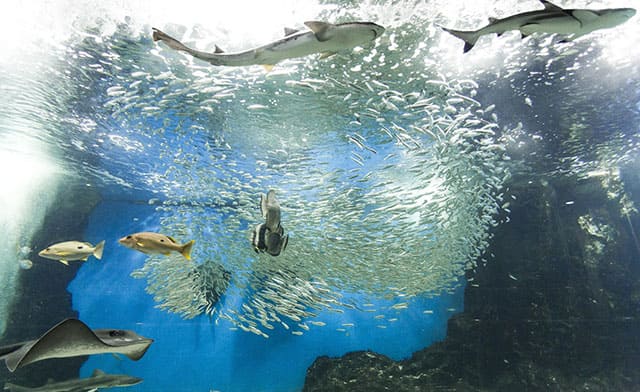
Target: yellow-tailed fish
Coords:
[(156, 243), (72, 250)]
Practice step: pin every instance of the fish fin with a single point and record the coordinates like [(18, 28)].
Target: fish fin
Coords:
[(263, 205), (65, 262), (268, 67), (527, 29), (218, 50), (492, 19), (166, 253), (98, 372), (325, 55), (172, 239), (169, 40), (97, 252), (186, 249), (584, 16), (85, 259), (549, 6), (15, 388), (469, 37), (320, 29), (285, 241), (289, 31), (140, 244)]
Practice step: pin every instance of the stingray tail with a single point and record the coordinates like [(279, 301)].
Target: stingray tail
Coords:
[(97, 252), (469, 37), (186, 249), (15, 388)]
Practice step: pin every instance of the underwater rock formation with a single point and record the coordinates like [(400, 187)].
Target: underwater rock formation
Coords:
[(553, 309), (43, 298)]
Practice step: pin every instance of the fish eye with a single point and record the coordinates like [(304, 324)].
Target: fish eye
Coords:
[(80, 247), (48, 249), (128, 237), (116, 332), (161, 240)]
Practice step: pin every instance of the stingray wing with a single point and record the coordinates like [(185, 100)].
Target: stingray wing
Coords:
[(71, 338)]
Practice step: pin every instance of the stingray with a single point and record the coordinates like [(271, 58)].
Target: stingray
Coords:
[(72, 338)]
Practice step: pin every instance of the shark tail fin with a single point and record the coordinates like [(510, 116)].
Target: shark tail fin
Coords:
[(169, 40), (15, 388), (186, 249), (97, 252), (469, 37)]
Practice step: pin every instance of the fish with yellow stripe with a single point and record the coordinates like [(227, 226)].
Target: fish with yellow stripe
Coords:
[(156, 243), (71, 251)]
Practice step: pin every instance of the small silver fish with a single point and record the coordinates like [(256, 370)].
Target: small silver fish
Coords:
[(156, 243), (72, 250), (25, 264)]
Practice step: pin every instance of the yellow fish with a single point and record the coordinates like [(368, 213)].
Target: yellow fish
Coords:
[(156, 243), (72, 250)]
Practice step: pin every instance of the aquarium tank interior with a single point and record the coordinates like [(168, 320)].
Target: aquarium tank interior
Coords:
[(320, 195)]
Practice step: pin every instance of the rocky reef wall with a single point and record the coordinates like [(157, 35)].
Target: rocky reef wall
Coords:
[(555, 308)]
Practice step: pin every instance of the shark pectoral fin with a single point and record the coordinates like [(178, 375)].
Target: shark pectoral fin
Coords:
[(320, 29), (288, 31), (325, 55), (549, 6), (584, 16), (65, 262), (527, 29), (268, 67)]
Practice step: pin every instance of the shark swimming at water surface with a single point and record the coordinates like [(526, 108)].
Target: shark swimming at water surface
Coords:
[(322, 37), (552, 19)]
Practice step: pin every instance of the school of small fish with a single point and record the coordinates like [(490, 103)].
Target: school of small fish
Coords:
[(389, 176)]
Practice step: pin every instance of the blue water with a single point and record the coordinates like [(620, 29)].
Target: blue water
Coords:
[(202, 355)]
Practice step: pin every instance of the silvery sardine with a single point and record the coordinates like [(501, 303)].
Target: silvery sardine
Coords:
[(269, 236), (72, 250), (156, 243)]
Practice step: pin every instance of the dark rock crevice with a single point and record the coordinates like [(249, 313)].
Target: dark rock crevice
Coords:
[(554, 309), (43, 300)]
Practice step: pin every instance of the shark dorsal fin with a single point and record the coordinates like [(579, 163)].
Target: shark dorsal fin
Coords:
[(320, 29), (97, 372), (218, 50), (492, 19), (288, 31), (549, 6)]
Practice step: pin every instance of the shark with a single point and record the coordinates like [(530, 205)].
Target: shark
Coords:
[(552, 19), (322, 37), (98, 380), (72, 338)]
